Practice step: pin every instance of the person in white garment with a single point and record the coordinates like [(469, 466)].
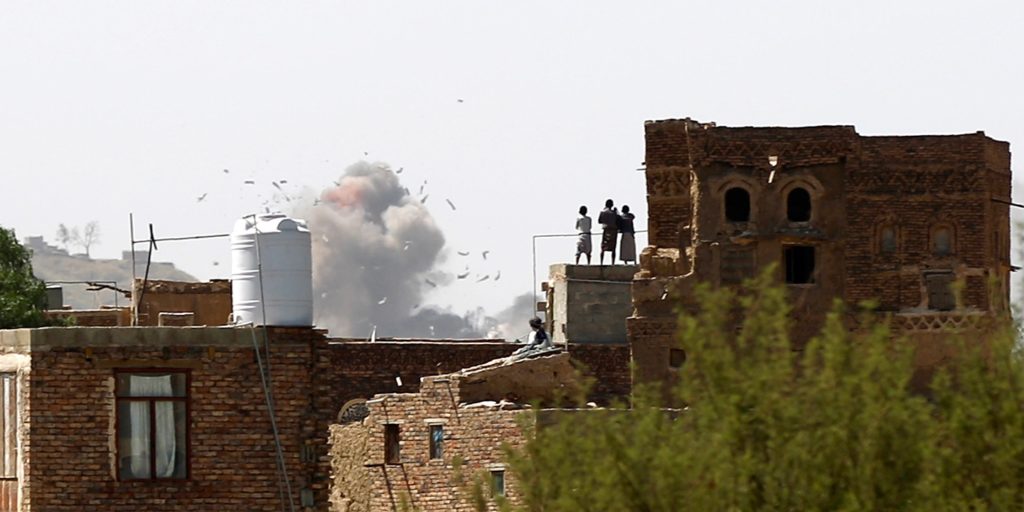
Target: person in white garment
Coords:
[(583, 242)]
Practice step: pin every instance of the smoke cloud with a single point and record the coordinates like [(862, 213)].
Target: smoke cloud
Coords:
[(376, 250)]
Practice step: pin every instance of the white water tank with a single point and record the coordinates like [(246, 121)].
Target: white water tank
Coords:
[(283, 260)]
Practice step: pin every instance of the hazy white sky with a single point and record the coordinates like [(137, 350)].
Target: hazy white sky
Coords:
[(108, 108)]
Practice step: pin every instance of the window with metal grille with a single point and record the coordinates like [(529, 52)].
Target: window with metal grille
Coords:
[(152, 424)]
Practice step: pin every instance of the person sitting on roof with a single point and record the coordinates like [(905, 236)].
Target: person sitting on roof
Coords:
[(538, 339)]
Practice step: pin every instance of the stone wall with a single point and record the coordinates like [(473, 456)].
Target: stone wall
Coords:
[(905, 191)]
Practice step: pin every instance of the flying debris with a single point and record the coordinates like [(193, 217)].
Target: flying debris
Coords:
[(399, 171), (382, 301), (463, 275), (460, 100), (485, 253), (250, 182), (365, 153), (266, 209), (421, 187), (324, 238), (200, 198), (226, 171), (463, 253), (497, 276), (484, 278), (449, 201), (424, 200), (431, 283), (274, 183), (316, 201), (284, 181), (216, 263), (337, 183), (405, 246)]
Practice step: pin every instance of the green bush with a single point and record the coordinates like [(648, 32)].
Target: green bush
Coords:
[(832, 427)]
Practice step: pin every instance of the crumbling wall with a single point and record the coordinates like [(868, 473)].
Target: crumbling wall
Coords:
[(475, 437), (350, 478)]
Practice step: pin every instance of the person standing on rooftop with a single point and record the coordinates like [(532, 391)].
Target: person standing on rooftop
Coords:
[(609, 220), (627, 248), (583, 242)]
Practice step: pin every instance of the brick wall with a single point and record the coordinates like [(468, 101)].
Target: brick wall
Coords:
[(69, 454), (475, 436), (68, 409), (609, 366), (859, 185)]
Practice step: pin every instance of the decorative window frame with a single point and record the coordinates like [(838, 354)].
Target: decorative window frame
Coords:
[(742, 182), (787, 184)]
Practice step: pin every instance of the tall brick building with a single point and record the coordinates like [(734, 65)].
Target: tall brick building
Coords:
[(890, 219)]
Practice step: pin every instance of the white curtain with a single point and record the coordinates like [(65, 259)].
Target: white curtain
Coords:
[(152, 386)]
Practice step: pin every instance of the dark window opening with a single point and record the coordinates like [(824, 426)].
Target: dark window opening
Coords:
[(798, 205), (940, 291), (152, 425), (887, 242), (391, 444), (498, 482), (436, 441), (676, 358), (942, 242), (737, 205), (799, 264)]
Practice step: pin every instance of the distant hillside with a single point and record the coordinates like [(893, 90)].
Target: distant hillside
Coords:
[(51, 264)]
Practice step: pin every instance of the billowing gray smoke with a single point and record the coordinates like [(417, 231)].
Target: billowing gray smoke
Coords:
[(374, 249)]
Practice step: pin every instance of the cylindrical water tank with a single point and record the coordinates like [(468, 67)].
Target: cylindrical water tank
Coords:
[(279, 270)]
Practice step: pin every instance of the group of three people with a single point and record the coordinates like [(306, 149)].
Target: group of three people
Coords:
[(612, 224)]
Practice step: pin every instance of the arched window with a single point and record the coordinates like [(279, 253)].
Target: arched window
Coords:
[(798, 205), (737, 205), (887, 240), (942, 241)]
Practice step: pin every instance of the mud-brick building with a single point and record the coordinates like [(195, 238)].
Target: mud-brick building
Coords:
[(892, 219), (176, 418), (427, 450)]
